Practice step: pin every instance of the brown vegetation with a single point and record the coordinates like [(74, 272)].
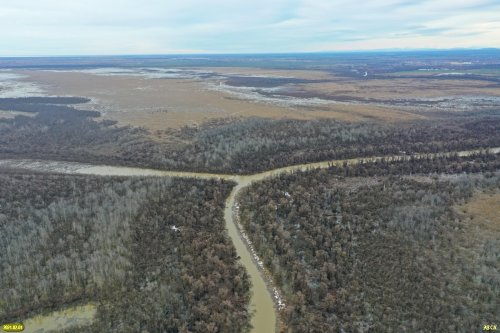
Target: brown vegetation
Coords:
[(159, 104), (60, 132), (383, 253), (402, 88), (75, 239)]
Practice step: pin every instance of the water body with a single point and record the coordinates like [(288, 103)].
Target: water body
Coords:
[(261, 304), (59, 320)]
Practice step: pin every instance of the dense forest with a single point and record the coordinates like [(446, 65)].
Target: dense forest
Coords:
[(58, 131), (371, 246), (151, 252), (379, 247), (262, 144)]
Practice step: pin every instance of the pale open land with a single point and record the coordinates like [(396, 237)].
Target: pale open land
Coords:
[(299, 74), (13, 114), (483, 210), (404, 88), (159, 104), (393, 88)]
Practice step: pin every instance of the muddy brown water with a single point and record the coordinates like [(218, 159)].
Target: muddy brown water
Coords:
[(264, 318)]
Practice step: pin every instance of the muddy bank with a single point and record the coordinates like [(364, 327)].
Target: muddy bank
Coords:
[(262, 305)]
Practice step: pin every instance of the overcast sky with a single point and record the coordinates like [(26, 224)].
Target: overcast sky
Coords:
[(71, 27)]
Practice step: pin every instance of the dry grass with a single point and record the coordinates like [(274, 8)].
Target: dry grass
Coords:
[(403, 88), (482, 229), (153, 104), (484, 213), (299, 74), (160, 104)]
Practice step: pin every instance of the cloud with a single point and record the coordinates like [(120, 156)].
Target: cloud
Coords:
[(54, 27)]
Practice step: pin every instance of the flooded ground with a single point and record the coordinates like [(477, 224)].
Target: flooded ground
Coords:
[(107, 170), (13, 85), (59, 320), (262, 304)]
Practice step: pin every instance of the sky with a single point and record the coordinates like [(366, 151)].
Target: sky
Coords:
[(112, 27)]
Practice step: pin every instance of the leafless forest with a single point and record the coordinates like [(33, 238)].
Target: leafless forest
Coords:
[(75, 239), (379, 246)]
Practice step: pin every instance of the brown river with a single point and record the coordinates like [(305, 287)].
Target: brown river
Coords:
[(263, 301)]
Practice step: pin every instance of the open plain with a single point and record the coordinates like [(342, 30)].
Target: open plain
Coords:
[(171, 103)]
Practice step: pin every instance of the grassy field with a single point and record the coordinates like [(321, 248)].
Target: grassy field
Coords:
[(482, 212), (157, 104), (488, 72)]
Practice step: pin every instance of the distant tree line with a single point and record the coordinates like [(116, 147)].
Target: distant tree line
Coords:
[(58, 131), (261, 144)]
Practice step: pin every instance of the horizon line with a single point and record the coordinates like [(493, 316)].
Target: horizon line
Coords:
[(393, 50)]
